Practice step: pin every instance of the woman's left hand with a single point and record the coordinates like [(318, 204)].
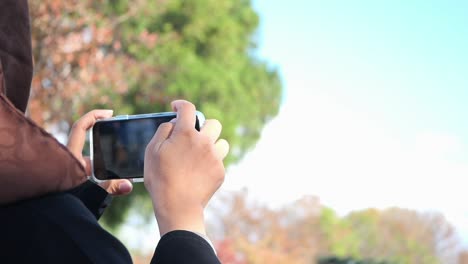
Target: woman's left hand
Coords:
[(76, 142)]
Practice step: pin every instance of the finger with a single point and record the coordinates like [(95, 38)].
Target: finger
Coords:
[(77, 136), (117, 187), (222, 148), (186, 115), (212, 128), (163, 132)]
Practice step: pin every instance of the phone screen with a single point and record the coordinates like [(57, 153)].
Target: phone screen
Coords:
[(119, 146)]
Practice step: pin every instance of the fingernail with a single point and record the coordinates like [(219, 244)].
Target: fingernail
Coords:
[(125, 187)]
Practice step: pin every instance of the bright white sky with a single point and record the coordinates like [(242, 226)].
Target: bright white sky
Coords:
[(375, 106)]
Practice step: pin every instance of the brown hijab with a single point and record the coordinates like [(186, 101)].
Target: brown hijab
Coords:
[(32, 162)]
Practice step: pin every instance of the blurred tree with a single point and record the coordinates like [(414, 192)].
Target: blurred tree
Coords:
[(136, 56), (258, 234), (227, 253), (339, 236), (307, 232), (396, 235)]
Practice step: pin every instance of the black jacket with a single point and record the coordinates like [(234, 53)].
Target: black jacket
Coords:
[(63, 228)]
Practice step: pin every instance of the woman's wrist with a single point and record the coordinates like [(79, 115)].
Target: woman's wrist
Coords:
[(189, 220)]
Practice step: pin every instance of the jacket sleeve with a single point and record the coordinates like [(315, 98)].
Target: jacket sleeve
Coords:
[(95, 198), (184, 247)]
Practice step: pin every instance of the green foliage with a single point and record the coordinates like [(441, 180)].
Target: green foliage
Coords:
[(202, 53), (343, 241), (394, 235)]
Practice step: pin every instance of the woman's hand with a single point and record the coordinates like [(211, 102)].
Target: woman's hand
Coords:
[(76, 142), (183, 169)]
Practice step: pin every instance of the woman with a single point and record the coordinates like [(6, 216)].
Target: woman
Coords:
[(49, 210)]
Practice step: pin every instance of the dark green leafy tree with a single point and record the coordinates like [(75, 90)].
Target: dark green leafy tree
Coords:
[(135, 56)]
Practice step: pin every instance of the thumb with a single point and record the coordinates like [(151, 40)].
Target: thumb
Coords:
[(117, 187)]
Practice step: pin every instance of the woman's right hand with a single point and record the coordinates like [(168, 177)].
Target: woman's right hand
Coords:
[(183, 169)]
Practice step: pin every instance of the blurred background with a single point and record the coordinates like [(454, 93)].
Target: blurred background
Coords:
[(346, 119)]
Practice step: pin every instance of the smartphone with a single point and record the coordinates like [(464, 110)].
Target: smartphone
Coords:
[(118, 144)]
